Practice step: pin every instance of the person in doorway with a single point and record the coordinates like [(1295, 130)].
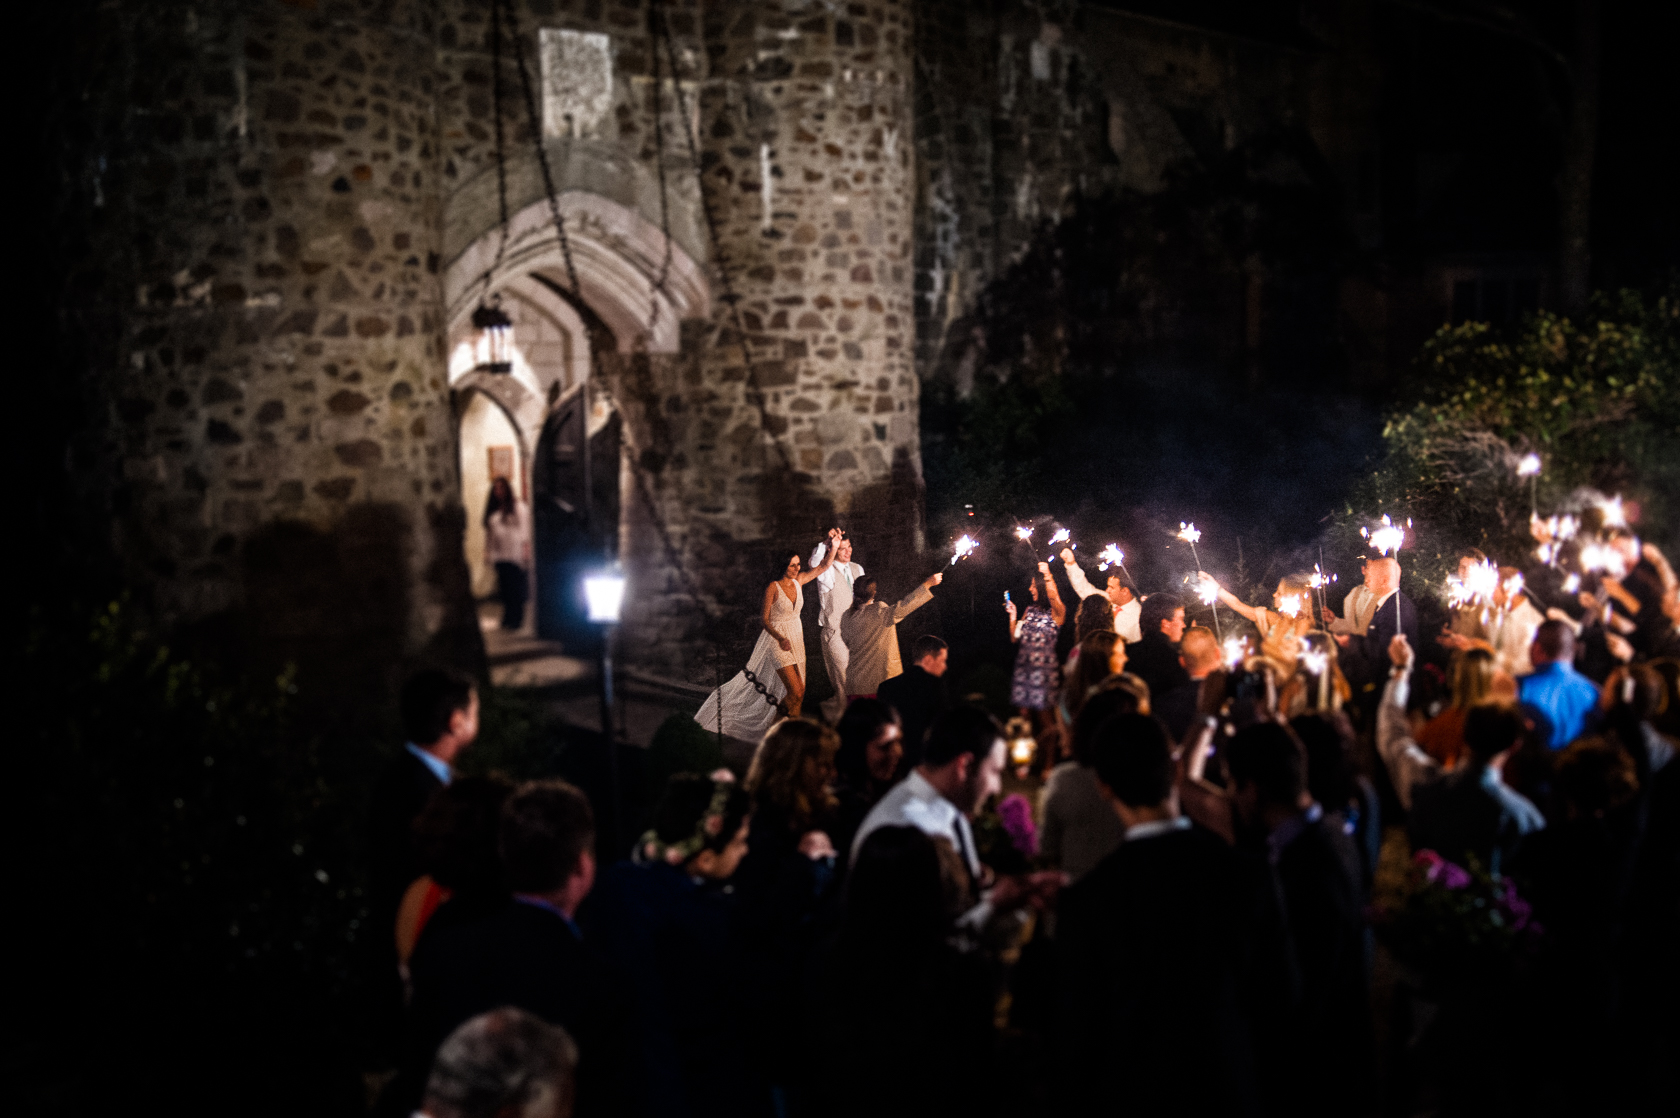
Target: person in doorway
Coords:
[(507, 548), (870, 629), (834, 598), (918, 695), (772, 686)]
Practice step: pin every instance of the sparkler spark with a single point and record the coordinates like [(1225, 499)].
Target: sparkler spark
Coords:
[(1572, 584), (1207, 591), (1236, 650), (1290, 605), (1188, 532), (1388, 537), (1598, 557), (1476, 588), (1062, 536), (1529, 466), (1023, 533), (962, 548), (1314, 660), (1614, 515), (1111, 556)]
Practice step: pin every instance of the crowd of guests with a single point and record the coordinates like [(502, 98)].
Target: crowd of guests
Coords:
[(829, 935)]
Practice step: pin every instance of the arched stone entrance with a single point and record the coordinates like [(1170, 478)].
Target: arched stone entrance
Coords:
[(559, 416)]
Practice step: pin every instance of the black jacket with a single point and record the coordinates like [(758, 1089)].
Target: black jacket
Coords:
[(1154, 659), (509, 953), (919, 698), (1153, 946), (1365, 660), (399, 795)]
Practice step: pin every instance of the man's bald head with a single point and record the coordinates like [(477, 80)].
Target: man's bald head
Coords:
[(1200, 651)]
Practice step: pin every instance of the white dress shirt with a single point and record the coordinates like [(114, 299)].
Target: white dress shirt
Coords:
[(1125, 617), (913, 802)]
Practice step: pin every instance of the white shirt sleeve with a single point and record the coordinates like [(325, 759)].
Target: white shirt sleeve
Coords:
[(1076, 579), (1407, 764)]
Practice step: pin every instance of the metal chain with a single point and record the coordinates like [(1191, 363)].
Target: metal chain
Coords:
[(501, 158)]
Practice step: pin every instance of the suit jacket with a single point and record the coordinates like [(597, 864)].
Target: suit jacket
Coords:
[(1177, 708), (399, 795), (1315, 1053), (919, 698), (511, 953), (1365, 660), (1154, 659), (1152, 943)]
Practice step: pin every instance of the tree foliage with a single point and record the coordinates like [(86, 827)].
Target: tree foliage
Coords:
[(1598, 401)]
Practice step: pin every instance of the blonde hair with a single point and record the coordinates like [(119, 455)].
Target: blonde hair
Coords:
[(1472, 680), (790, 771)]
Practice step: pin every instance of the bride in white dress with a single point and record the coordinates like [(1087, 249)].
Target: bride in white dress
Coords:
[(778, 659)]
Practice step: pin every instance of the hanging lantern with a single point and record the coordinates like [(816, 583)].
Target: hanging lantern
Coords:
[(492, 338), (1022, 745)]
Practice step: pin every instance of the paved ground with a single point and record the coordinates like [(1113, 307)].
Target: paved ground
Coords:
[(570, 686)]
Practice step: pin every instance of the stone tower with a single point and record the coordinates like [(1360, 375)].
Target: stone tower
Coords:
[(800, 408), (294, 204), (268, 213)]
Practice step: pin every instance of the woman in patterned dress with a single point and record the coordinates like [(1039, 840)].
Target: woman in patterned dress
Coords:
[(1036, 679)]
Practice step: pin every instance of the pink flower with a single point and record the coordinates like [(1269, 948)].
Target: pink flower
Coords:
[(1454, 877), (1431, 863), (1016, 815)]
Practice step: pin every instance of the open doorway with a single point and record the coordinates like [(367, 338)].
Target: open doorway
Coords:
[(576, 528), (491, 448)]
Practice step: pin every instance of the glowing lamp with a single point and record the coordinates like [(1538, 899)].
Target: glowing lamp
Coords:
[(1021, 744), (492, 338), (605, 592)]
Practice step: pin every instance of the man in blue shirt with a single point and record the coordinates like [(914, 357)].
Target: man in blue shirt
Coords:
[(1566, 697)]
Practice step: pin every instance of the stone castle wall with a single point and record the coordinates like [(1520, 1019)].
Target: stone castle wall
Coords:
[(266, 209)]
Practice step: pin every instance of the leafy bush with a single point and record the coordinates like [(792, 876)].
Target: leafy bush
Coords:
[(1598, 401)]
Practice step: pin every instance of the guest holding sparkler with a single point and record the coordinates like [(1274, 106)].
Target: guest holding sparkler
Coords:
[(1283, 626), (870, 630), (1034, 681), (1127, 607), (1364, 657), (1507, 625)]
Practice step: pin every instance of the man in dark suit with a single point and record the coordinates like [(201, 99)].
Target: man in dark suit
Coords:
[(918, 694), (1154, 659), (526, 952), (1364, 657), (1314, 1050), (1154, 943), (1200, 654), (439, 719)]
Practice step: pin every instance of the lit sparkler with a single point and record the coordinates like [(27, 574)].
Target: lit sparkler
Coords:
[(1529, 466), (1023, 533), (1388, 536), (1236, 650), (1614, 515), (1475, 588), (1062, 536), (1601, 557), (1112, 556), (1315, 660), (1290, 605), (1572, 584), (963, 548), (1190, 534)]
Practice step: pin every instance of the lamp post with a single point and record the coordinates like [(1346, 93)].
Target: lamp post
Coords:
[(605, 593)]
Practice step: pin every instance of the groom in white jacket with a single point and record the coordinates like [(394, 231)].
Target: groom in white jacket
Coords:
[(834, 598)]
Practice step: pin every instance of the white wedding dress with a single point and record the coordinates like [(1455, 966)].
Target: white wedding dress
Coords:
[(744, 712)]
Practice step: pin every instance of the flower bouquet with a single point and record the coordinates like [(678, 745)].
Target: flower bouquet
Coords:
[(1457, 928), (1006, 838)]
